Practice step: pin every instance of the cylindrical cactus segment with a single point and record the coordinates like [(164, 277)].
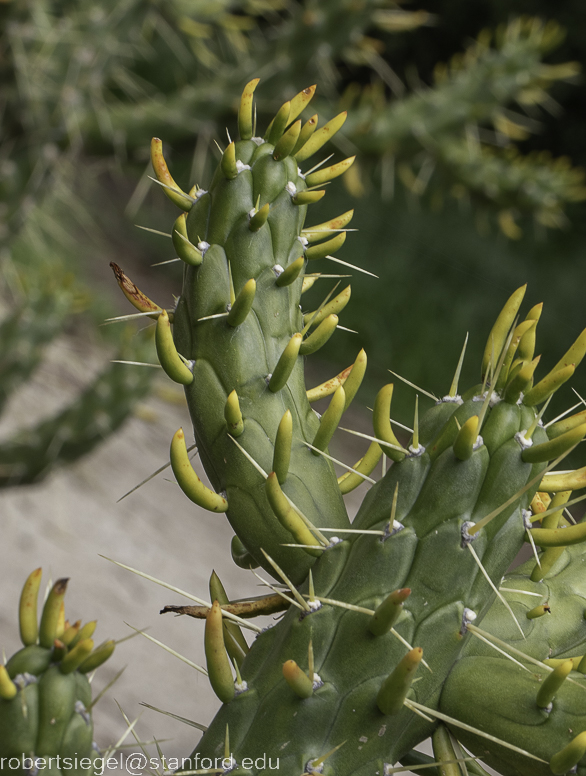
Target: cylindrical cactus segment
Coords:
[(45, 697), (238, 328)]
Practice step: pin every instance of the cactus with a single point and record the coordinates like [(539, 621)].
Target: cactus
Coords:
[(375, 649), (45, 695)]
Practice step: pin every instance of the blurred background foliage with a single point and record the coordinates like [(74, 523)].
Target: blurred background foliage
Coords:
[(468, 120)]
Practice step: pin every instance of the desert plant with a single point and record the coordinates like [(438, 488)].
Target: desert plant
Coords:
[(45, 695), (331, 688)]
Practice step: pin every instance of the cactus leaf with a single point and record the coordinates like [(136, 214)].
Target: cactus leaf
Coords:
[(76, 656), (335, 305), (287, 516), (520, 381), (245, 126), (538, 611), (365, 466), (559, 537), (173, 364), (547, 451), (325, 248), (301, 101), (164, 177), (320, 336), (330, 420), (568, 757), (500, 331), (443, 750), (287, 142), (27, 612), (319, 177), (285, 364), (282, 454), (7, 687), (548, 386), (233, 415), (321, 137), (228, 163), (291, 274), (574, 355), (382, 424), (388, 612), (552, 683), (242, 304), (327, 228), (217, 661), (136, 298), (277, 126), (305, 197), (188, 480), (553, 482), (394, 689), (526, 349), (258, 218), (307, 131), (51, 614), (297, 679), (97, 657), (186, 250), (466, 439)]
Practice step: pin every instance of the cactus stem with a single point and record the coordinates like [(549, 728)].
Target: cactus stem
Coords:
[(453, 392), (188, 480), (491, 515), (494, 587), (169, 650), (341, 463), (296, 594), (414, 706), (394, 689), (297, 679)]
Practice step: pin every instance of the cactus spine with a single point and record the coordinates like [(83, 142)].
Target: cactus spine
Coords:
[(352, 677)]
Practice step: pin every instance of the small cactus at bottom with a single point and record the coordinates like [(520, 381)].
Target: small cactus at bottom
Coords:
[(378, 615), (45, 695)]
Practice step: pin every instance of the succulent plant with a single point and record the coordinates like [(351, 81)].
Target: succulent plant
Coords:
[(45, 695), (376, 650)]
